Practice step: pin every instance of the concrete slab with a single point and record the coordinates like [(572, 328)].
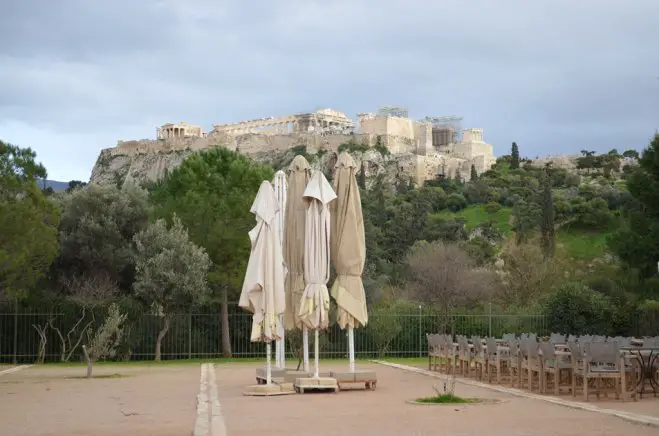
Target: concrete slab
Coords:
[(266, 390), (311, 383)]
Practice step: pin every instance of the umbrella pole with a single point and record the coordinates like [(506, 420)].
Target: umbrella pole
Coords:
[(305, 348), (351, 348), (278, 345), (268, 365), (316, 373)]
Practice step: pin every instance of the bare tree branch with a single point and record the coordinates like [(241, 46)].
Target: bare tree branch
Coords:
[(444, 275)]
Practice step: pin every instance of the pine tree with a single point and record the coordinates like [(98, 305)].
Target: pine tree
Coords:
[(514, 157), (474, 173), (548, 238)]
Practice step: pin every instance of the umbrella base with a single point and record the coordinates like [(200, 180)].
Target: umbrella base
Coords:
[(307, 384), (267, 390), (291, 376), (350, 379)]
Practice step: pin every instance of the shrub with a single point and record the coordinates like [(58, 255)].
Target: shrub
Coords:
[(577, 309), (492, 208)]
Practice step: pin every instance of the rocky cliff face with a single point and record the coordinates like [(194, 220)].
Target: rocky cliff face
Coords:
[(394, 157)]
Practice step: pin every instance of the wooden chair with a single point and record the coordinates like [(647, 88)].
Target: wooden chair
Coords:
[(604, 363), (531, 363), (479, 356), (552, 366), (434, 354), (515, 365), (497, 360), (464, 356)]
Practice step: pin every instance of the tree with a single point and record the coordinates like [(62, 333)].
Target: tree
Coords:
[(548, 238), (75, 184), (96, 231), (443, 275), (212, 192), (28, 220), (514, 157), (170, 271), (637, 241), (630, 154), (104, 342), (526, 217), (526, 275), (474, 174)]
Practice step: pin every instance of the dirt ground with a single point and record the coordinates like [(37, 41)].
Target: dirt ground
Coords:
[(144, 400), (384, 411)]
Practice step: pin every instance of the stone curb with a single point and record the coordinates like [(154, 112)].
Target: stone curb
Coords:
[(627, 416), (14, 369), (209, 420)]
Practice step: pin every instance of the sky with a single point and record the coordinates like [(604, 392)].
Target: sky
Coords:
[(556, 76)]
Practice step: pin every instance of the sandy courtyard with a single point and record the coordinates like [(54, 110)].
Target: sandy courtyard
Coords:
[(384, 411), (146, 400)]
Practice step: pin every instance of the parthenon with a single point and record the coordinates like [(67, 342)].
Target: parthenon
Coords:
[(324, 120)]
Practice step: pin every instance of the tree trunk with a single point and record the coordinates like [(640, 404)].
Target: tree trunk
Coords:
[(161, 335), (226, 338), (89, 361)]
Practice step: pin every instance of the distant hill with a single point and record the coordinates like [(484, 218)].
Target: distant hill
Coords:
[(56, 186)]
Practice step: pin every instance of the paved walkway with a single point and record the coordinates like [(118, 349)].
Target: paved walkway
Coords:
[(385, 411)]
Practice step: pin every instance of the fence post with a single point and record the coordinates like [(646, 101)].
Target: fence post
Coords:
[(15, 359), (190, 334), (420, 333), (490, 320)]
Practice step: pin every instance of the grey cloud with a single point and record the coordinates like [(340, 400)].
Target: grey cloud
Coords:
[(524, 71)]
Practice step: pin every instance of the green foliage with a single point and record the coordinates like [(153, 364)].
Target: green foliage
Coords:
[(28, 220), (637, 241), (492, 208), (170, 269), (353, 146), (96, 231), (456, 202), (514, 157), (473, 173), (577, 309), (212, 192), (446, 399), (548, 238)]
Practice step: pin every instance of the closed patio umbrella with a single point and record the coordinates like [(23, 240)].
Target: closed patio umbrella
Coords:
[(348, 252), (315, 303), (263, 288), (299, 173), (280, 187)]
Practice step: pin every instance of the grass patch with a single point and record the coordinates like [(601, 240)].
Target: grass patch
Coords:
[(476, 215), (290, 362), (582, 245), (446, 399)]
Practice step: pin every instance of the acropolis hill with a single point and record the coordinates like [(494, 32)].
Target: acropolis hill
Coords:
[(421, 149)]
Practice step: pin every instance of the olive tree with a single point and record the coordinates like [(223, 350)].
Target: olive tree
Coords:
[(170, 272)]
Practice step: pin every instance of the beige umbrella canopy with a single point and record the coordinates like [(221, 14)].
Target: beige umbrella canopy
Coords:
[(348, 246), (314, 310), (299, 173), (263, 288), (315, 304)]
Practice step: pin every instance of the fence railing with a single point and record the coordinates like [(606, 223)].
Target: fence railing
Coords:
[(199, 335), (389, 333)]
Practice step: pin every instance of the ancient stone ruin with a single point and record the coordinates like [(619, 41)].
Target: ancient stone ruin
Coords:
[(423, 149)]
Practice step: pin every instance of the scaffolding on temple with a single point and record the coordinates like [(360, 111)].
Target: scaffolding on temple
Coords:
[(445, 130), (393, 111)]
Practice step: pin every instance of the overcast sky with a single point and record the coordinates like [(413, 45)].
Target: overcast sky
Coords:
[(556, 76)]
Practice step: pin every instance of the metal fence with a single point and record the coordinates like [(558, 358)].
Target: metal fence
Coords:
[(199, 335)]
